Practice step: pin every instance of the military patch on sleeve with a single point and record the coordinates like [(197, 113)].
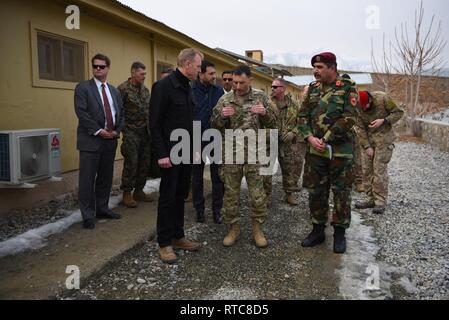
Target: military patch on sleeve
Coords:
[(353, 101), (338, 83)]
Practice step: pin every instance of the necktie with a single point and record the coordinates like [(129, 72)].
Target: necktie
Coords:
[(107, 110)]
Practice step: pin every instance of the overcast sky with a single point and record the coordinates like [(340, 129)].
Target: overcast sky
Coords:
[(292, 26)]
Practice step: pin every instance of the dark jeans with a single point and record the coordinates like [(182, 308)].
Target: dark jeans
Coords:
[(198, 188), (172, 191)]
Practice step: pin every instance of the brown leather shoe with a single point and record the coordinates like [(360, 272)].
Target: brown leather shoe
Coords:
[(139, 195), (185, 244), (167, 255)]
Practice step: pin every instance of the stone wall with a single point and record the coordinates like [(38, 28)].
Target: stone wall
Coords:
[(433, 132)]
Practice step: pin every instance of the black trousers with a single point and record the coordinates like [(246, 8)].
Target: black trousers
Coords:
[(173, 190), (198, 187), (95, 180)]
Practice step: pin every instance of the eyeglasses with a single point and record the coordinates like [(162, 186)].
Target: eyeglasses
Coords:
[(275, 87), (96, 66), (227, 79)]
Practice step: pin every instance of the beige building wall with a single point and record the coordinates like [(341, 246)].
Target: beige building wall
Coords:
[(26, 102)]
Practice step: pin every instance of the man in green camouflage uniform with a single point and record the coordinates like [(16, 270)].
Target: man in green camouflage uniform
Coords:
[(325, 120), (136, 137), (374, 129), (243, 108), (291, 147)]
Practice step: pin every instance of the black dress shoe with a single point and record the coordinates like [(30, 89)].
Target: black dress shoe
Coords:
[(109, 215), (89, 224)]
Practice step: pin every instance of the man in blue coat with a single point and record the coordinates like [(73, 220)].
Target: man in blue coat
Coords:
[(206, 95)]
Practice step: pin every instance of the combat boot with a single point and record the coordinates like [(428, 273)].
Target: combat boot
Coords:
[(139, 195), (259, 237), (364, 204), (379, 209), (291, 200), (360, 188), (339, 240), (315, 237), (232, 236), (128, 200)]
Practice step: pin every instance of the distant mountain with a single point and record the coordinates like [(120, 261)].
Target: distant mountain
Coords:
[(344, 62), (303, 60)]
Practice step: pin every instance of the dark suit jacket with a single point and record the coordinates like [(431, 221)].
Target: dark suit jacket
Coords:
[(171, 107), (91, 117)]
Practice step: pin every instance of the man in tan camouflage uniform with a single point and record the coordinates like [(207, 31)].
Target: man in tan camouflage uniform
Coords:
[(291, 147), (374, 129), (136, 137), (358, 171), (243, 108)]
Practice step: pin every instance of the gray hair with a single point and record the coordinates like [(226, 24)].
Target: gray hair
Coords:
[(186, 55)]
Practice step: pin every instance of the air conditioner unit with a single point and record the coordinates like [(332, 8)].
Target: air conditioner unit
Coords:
[(29, 155)]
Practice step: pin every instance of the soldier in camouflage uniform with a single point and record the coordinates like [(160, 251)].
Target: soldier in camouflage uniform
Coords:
[(358, 171), (291, 147), (358, 165), (243, 108), (325, 120), (374, 129), (136, 137)]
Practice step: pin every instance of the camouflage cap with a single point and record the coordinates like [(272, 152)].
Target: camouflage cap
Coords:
[(325, 57)]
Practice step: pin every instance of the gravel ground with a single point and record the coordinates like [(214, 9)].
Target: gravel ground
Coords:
[(413, 234), (411, 246), (20, 221), (282, 271), (411, 249)]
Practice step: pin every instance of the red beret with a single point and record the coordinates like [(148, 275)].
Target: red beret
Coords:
[(364, 99), (325, 57)]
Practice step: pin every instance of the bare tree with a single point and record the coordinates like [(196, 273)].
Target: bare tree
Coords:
[(418, 53), (383, 67)]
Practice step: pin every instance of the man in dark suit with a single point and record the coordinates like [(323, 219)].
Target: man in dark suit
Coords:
[(171, 108), (98, 106)]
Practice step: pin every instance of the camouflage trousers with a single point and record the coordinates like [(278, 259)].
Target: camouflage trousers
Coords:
[(375, 171), (320, 175), (231, 175), (291, 159), (136, 159), (358, 163)]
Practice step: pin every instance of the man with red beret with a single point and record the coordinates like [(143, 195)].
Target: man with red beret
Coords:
[(376, 136), (325, 121)]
